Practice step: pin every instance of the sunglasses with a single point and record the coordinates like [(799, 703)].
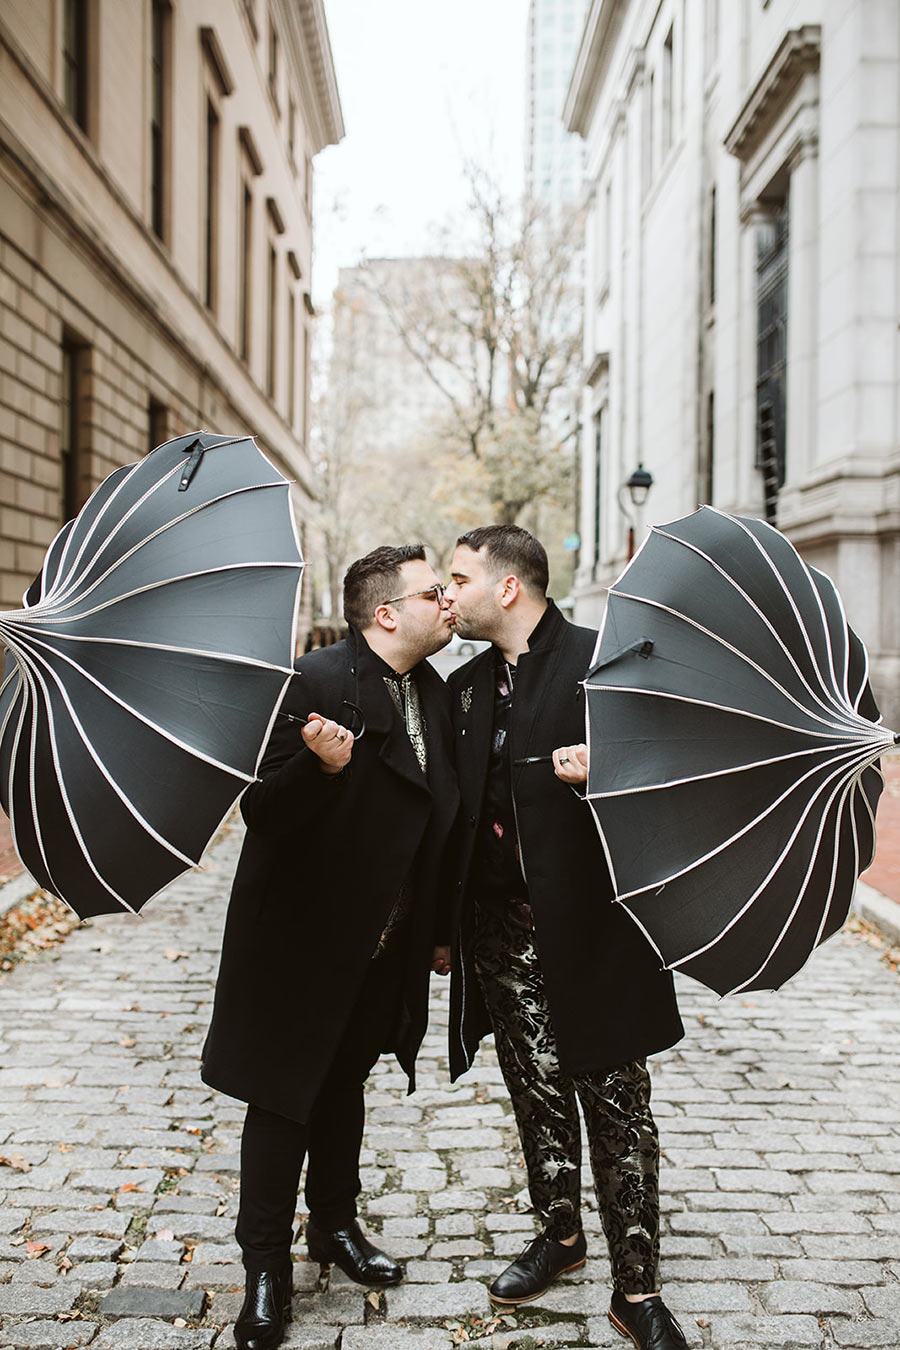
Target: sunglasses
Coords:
[(433, 593)]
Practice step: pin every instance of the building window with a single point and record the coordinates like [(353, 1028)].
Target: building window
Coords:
[(211, 207), (292, 135), (272, 319), (649, 134), (771, 355), (160, 82), (705, 466), (75, 60), (292, 358), (711, 33), (273, 61), (246, 268), (73, 447), (305, 372), (711, 251), (307, 183), (598, 488), (668, 132), (157, 424)]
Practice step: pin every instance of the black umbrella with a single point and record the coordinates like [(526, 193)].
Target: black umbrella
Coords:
[(734, 747), (144, 672)]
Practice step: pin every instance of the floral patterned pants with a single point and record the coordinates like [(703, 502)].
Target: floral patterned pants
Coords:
[(622, 1137)]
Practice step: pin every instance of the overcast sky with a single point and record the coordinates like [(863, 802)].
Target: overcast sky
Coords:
[(423, 83)]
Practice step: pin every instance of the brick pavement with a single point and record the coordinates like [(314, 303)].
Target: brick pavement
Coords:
[(779, 1122)]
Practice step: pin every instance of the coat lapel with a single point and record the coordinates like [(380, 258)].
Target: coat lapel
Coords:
[(473, 717), (382, 720)]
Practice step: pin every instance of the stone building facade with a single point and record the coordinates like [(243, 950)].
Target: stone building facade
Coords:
[(155, 240), (743, 283)]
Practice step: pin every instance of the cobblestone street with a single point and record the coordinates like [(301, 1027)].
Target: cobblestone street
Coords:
[(118, 1187)]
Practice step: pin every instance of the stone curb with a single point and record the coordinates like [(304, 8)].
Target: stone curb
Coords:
[(877, 909)]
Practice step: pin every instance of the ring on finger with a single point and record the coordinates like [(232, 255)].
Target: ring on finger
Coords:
[(564, 759), (342, 735)]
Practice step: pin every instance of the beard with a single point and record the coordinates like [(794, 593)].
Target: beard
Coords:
[(476, 627)]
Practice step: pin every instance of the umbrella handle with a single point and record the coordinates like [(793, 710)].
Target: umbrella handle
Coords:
[(354, 708)]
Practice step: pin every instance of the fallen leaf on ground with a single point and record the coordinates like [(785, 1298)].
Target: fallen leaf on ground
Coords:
[(15, 1162), (36, 1248)]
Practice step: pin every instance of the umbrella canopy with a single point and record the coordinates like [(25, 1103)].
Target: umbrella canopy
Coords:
[(734, 747), (144, 672)]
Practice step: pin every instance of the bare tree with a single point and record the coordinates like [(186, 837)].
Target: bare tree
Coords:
[(496, 329)]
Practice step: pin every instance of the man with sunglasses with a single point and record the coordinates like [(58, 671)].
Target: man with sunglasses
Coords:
[(332, 925)]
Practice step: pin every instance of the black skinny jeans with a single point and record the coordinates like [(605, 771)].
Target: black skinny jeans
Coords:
[(273, 1147)]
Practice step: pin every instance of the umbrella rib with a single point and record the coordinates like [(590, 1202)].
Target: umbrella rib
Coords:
[(154, 726), (770, 679), (79, 839), (156, 585), (790, 599), (68, 577), (31, 786), (871, 814), (842, 787), (66, 602), (831, 701), (138, 816), (229, 658), (845, 629), (714, 773), (856, 734), (657, 885), (682, 960), (134, 471)]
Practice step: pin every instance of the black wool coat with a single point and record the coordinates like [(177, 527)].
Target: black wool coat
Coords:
[(609, 1000), (320, 871)]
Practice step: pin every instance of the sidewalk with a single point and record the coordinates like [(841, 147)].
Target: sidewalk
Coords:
[(780, 1124)]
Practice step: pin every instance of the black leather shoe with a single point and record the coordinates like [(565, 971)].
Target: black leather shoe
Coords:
[(542, 1262), (266, 1308), (351, 1251), (649, 1323)]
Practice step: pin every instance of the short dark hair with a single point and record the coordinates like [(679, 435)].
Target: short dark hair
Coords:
[(510, 548), (372, 580)]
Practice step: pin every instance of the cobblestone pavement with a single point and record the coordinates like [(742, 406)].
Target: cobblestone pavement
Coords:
[(779, 1121)]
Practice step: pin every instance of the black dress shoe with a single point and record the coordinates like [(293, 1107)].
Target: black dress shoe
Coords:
[(266, 1308), (542, 1262), (649, 1323), (351, 1251)]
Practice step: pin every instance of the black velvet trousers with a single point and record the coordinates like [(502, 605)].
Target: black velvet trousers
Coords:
[(273, 1148), (622, 1138)]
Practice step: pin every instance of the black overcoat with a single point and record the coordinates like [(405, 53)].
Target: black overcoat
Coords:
[(320, 870), (609, 1000)]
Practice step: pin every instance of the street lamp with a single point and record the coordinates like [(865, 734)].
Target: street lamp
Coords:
[(637, 486)]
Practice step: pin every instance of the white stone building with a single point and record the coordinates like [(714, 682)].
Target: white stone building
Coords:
[(155, 240), (743, 280)]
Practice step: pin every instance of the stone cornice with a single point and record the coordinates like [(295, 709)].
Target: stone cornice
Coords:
[(591, 65), (797, 56), (307, 32)]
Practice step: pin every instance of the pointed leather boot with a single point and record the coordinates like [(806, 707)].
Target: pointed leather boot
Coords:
[(266, 1309), (351, 1251)]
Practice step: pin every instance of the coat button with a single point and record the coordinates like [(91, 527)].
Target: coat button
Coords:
[(472, 821)]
